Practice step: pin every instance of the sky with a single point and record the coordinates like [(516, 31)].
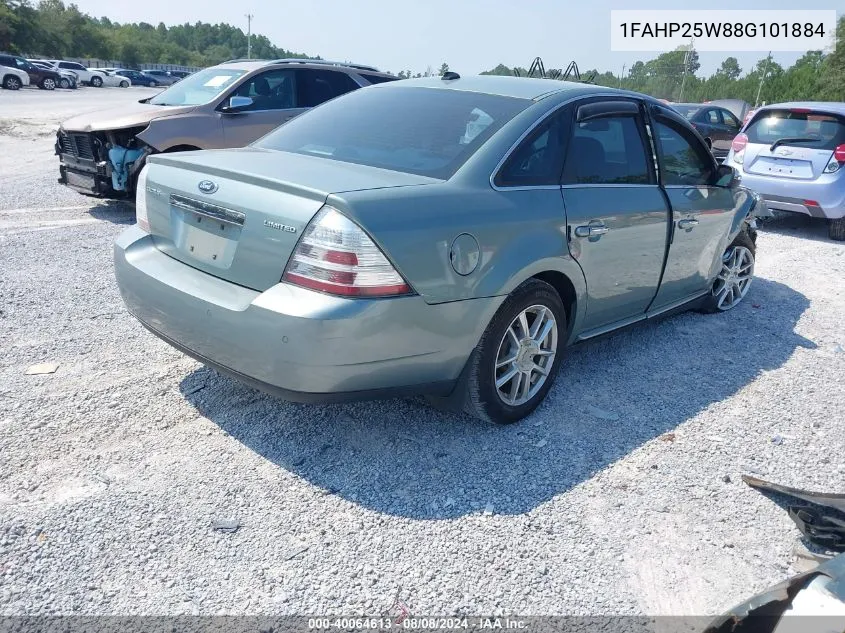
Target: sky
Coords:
[(470, 35)]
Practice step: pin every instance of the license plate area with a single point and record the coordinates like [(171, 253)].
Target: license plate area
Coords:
[(787, 167), (205, 233)]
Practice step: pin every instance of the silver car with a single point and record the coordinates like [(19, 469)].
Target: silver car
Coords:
[(441, 236), (793, 155)]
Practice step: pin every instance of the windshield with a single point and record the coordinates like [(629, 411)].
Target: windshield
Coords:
[(199, 88), (424, 131), (687, 111), (815, 129)]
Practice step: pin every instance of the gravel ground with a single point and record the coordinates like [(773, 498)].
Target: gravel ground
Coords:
[(620, 495)]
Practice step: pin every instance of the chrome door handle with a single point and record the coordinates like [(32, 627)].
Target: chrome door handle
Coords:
[(687, 223), (593, 229)]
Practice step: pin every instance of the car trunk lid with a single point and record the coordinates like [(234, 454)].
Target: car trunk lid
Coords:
[(238, 214), (794, 143)]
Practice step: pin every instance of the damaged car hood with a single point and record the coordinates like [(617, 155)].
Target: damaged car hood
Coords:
[(133, 114)]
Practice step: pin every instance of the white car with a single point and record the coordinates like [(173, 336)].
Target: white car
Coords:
[(12, 78), (112, 80), (90, 76)]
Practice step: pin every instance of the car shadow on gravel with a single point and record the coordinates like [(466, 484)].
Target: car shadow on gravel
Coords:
[(403, 458), (114, 211), (798, 225)]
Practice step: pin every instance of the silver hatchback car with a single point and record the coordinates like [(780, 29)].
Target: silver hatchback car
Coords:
[(441, 236), (793, 155)]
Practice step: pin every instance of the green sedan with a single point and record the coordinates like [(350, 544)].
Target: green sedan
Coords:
[(443, 236)]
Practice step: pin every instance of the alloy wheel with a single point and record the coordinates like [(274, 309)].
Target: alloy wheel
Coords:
[(13, 83), (65, 83), (734, 279), (525, 356), (49, 84)]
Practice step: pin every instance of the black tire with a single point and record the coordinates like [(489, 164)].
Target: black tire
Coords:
[(480, 396), (11, 82), (48, 83), (124, 84), (710, 304), (64, 83), (97, 82), (153, 84), (836, 229)]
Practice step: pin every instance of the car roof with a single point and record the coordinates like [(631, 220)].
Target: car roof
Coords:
[(833, 107), (504, 86)]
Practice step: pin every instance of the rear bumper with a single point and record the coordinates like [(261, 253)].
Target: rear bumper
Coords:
[(299, 344), (782, 194)]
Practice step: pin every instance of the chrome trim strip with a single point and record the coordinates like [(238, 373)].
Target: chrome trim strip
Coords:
[(200, 207)]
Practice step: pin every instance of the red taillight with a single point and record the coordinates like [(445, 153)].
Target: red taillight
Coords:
[(811, 203), (839, 153), (739, 143), (800, 110), (336, 256)]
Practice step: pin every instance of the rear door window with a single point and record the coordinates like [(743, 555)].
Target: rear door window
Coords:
[(538, 160), (801, 128), (608, 150), (377, 79), (318, 86)]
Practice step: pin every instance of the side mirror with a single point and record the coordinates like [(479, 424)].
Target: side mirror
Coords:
[(236, 104), (726, 176)]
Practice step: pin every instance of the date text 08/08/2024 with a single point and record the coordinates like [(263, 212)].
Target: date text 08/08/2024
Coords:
[(419, 623)]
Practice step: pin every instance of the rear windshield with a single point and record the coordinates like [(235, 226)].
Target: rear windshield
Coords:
[(814, 129), (424, 131)]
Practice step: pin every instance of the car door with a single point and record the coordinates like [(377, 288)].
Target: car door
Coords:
[(724, 133), (275, 99), (702, 212), (617, 216)]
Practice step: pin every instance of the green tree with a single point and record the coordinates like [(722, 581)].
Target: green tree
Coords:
[(730, 69), (444, 68)]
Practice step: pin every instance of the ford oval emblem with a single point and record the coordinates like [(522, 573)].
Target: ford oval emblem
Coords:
[(207, 186)]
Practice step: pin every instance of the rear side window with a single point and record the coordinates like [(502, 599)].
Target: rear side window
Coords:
[(816, 130), (377, 79), (425, 131), (683, 160), (318, 86), (608, 150), (538, 160)]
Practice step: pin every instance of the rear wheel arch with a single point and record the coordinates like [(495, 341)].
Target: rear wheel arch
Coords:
[(565, 288)]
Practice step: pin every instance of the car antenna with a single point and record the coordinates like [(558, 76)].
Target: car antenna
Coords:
[(449, 76)]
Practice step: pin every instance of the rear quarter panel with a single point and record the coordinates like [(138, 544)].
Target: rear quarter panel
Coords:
[(520, 234)]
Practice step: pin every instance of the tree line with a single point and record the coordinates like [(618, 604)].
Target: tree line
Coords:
[(53, 29)]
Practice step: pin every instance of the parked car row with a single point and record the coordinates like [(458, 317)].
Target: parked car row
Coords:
[(50, 74)]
